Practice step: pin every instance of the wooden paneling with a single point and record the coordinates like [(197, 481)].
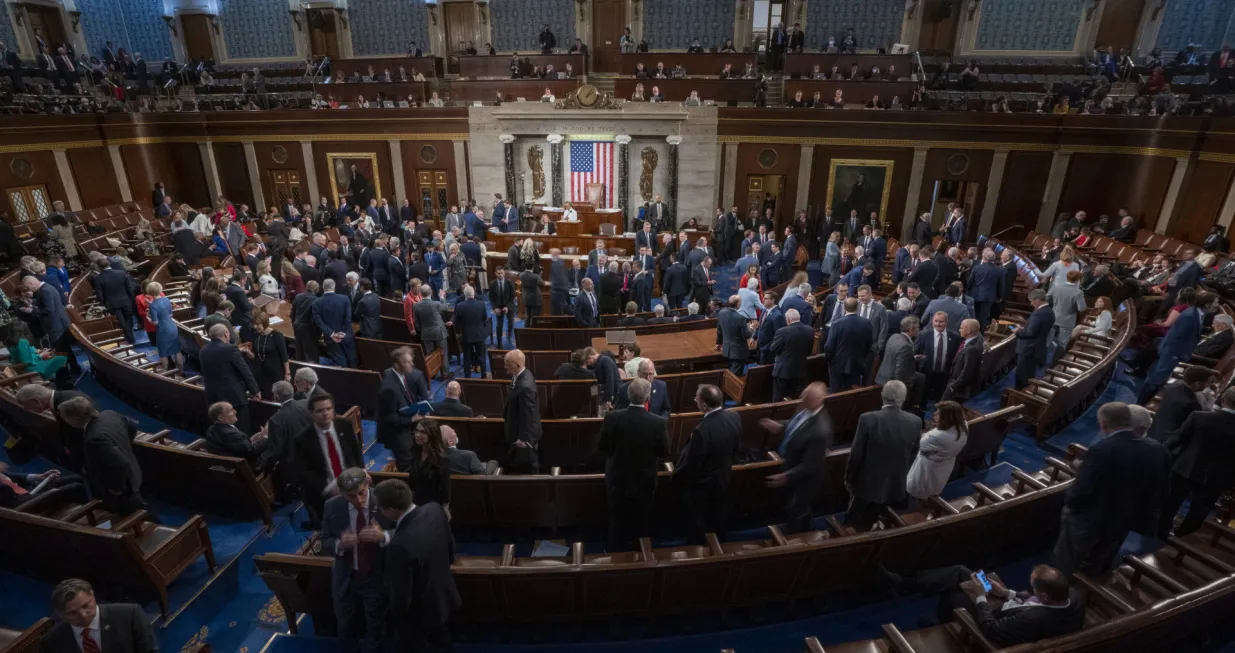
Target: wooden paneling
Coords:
[(198, 39), (95, 176), (902, 159), (1102, 183), (1201, 199), (269, 154), (1120, 18), (1020, 195), (385, 182), (177, 165), (441, 158), (234, 174), (608, 20), (42, 166), (786, 165), (945, 164)]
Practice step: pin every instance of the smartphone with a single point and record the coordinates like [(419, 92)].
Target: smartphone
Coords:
[(986, 584)]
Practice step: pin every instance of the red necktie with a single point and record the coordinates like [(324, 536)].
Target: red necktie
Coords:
[(12, 485), (336, 465), (363, 564), (88, 645), (647, 405)]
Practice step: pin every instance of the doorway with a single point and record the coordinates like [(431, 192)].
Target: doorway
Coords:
[(764, 192), (434, 190), (29, 202), (323, 33), (767, 13), (1120, 20), (460, 20), (940, 20), (198, 36), (46, 23), (962, 193), (608, 21), (284, 186)]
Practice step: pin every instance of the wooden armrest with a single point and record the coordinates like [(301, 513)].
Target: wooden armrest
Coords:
[(1103, 594), (943, 506), (1077, 451), (1186, 549), (1057, 466), (813, 645), (1099, 337), (1026, 479), (1140, 568), (1201, 360), (987, 494), (576, 553), (891, 515), (508, 555), (1218, 531), (836, 528), (971, 631), (555, 471), (84, 510), (772, 455), (133, 521), (1045, 384), (713, 543), (896, 641), (777, 535)]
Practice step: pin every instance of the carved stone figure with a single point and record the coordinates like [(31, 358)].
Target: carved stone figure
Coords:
[(535, 161), (650, 158)]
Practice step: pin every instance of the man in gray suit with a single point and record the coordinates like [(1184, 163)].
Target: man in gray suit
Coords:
[(883, 449), (234, 236), (462, 461), (875, 312), (1067, 300), (732, 333), (899, 365), (950, 303), (428, 315), (352, 532)]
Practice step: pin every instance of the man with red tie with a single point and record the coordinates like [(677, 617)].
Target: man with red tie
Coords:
[(353, 531), (66, 68), (86, 627), (322, 452)]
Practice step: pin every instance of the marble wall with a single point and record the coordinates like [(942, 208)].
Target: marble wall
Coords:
[(257, 29), (1031, 25), (384, 27), (1208, 22), (135, 25), (7, 33)]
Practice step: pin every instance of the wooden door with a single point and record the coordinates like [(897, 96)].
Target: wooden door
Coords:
[(608, 21), (323, 33), (285, 185), (46, 21), (460, 20), (939, 23), (28, 202), (433, 187), (1120, 20), (198, 36)]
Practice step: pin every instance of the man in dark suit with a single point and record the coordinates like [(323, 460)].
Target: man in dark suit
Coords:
[(502, 299), (985, 285), (429, 316), (462, 461), (1204, 465), (116, 290), (633, 441), (335, 269), (922, 230), (705, 463), (531, 284), (1010, 274), (701, 279), (803, 444), (898, 362), (421, 589), (87, 627), (282, 429), (926, 273), (1219, 342), (1175, 347), (658, 398), (852, 230), (471, 322), (587, 308), (242, 315), (368, 311), (833, 305), (562, 279), (308, 338), (352, 534), (770, 321), (321, 453), (112, 471), (966, 376), (732, 333), (226, 376), (675, 282), (1119, 488), (521, 414), (658, 214), (884, 447), (66, 452), (1031, 340), (645, 237), (1179, 400), (224, 439), (402, 386), (849, 341), (791, 346), (450, 406), (938, 347)]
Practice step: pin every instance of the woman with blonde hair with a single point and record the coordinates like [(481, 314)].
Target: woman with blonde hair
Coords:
[(269, 285), (160, 314), (937, 451), (293, 283), (456, 269), (831, 258), (1058, 271)]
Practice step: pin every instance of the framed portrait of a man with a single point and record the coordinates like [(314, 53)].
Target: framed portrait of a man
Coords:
[(354, 176), (860, 185)]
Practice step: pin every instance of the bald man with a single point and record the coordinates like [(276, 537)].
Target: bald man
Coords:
[(966, 377), (450, 406), (521, 415), (804, 441), (226, 376)]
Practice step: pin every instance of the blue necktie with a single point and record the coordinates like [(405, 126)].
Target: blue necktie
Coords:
[(790, 431)]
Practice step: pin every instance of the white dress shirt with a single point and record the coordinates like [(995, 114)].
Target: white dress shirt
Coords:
[(570, 215), (322, 434), (96, 632)]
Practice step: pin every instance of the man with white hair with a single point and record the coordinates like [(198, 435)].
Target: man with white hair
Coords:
[(692, 313), (1219, 342), (749, 298), (796, 299), (470, 323), (884, 448), (463, 461), (791, 346), (226, 376), (633, 441), (658, 400), (429, 317), (966, 375), (658, 312), (985, 284), (305, 383)]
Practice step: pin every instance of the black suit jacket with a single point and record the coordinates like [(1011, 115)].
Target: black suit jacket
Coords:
[(284, 427), (792, 345), (111, 467), (471, 321), (421, 588), (1030, 623), (804, 455), (1119, 487), (225, 374), (708, 456), (884, 448), (227, 440), (452, 408), (925, 276), (115, 288), (966, 370), (369, 315), (124, 627), (1205, 449), (1178, 402), (1216, 345), (522, 410), (926, 346), (658, 403), (503, 298), (312, 470), (633, 441), (391, 397)]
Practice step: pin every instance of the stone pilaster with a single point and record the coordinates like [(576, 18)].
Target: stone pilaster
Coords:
[(674, 141), (255, 179), (731, 173), (122, 177), (508, 160), (66, 178), (1054, 190), (1169, 205), (396, 171), (623, 158), (461, 177), (994, 183), (1228, 209), (555, 163), (206, 150), (310, 173), (916, 172), (806, 162)]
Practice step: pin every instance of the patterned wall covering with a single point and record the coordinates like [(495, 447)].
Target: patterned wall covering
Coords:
[(135, 25), (669, 24), (517, 24), (1043, 25), (1208, 22), (384, 27), (876, 23), (6, 28), (256, 29)]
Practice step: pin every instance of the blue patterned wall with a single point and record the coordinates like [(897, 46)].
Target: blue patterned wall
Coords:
[(1044, 25), (135, 25), (517, 23), (876, 23), (1208, 22), (257, 29), (384, 27), (669, 24), (6, 28)]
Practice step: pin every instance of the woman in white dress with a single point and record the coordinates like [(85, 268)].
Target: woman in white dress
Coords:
[(937, 451)]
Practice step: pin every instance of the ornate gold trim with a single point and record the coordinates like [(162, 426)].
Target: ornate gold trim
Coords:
[(331, 157), (888, 166), (953, 145), (1216, 157)]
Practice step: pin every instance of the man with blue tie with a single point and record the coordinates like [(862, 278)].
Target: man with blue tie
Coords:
[(936, 350), (332, 313), (772, 320), (646, 261), (773, 265), (803, 445), (1031, 341), (985, 285), (587, 310), (849, 341), (733, 331), (645, 237), (1174, 348), (471, 322)]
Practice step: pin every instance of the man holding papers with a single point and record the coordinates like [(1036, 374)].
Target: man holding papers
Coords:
[(403, 386)]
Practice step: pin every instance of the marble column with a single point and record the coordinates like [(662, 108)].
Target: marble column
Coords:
[(623, 159), (1148, 28), (122, 177), (255, 179), (66, 178), (1054, 190), (508, 159), (731, 173), (1228, 209), (806, 161), (310, 173), (211, 167), (396, 171), (911, 26), (674, 141), (1182, 165), (994, 183), (461, 178), (916, 172), (555, 167)]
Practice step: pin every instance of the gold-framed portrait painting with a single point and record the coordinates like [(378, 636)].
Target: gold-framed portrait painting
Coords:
[(861, 185), (354, 176)]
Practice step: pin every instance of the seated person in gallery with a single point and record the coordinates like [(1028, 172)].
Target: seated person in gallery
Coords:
[(679, 71), (641, 72), (515, 67), (470, 49), (637, 96), (750, 72), (797, 102), (816, 73), (549, 72), (548, 96), (436, 101), (874, 74), (656, 95), (660, 72), (578, 48), (695, 47), (855, 75), (728, 72), (835, 74), (569, 73), (890, 74), (417, 76), (728, 46), (838, 100), (490, 49), (693, 100), (875, 103)]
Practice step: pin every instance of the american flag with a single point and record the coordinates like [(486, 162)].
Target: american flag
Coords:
[(591, 162)]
